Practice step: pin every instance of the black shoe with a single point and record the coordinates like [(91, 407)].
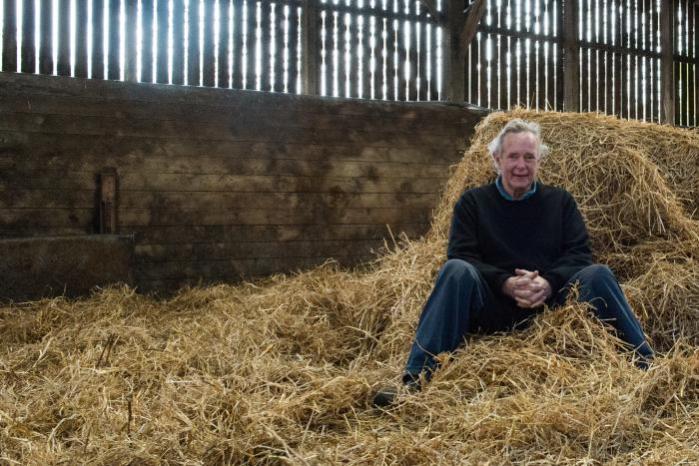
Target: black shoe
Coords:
[(386, 396)]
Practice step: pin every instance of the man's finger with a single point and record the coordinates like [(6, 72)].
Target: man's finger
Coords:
[(523, 303)]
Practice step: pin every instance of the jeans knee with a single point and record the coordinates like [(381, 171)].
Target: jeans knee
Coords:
[(460, 270), (596, 273)]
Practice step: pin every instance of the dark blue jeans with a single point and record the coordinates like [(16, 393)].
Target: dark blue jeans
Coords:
[(462, 303)]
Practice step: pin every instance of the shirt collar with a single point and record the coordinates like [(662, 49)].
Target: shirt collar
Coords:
[(506, 195)]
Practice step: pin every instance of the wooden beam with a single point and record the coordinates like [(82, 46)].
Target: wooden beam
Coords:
[(470, 25), (9, 37), (667, 75), (571, 57), (455, 63), (310, 45)]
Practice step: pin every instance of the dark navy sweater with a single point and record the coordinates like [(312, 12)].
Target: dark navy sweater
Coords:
[(544, 232)]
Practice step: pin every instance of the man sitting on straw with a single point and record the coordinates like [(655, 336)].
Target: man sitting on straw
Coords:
[(514, 245)]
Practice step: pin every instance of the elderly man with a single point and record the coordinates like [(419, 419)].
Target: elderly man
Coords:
[(514, 245)]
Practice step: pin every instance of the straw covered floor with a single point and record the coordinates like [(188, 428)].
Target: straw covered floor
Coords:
[(282, 371)]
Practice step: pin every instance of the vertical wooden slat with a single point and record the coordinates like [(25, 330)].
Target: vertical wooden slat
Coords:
[(533, 58), (28, 45), (667, 107), (584, 59), (611, 59), (250, 48), (98, 31), (695, 64), (636, 77), (402, 60), (81, 39), (433, 48), (344, 72), (391, 59), (453, 52), (46, 41), (503, 78), (571, 56), (64, 37), (310, 47), (238, 26), (225, 62), (378, 60), (193, 43), (131, 42), (208, 58), (178, 42), (277, 42), (617, 61), (625, 60), (502, 59), (161, 16), (113, 57), (9, 37), (690, 66), (551, 70), (414, 60), (292, 48), (264, 41), (645, 63), (147, 40), (494, 94), (483, 72), (604, 61), (594, 54)]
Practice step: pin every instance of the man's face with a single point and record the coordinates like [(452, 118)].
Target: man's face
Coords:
[(518, 162)]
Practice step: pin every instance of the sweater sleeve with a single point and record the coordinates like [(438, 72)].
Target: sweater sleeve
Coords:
[(464, 245), (575, 248)]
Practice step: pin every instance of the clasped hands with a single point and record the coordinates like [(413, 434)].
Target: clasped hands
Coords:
[(527, 288)]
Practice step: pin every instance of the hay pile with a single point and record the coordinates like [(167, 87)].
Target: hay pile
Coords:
[(283, 371)]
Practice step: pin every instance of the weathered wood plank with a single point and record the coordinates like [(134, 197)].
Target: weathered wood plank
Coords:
[(183, 234), (9, 36), (178, 71), (205, 252), (115, 91), (81, 34), (64, 38), (667, 77), (193, 57), (28, 45), (22, 151), (571, 56), (258, 217), (316, 116), (147, 41), (161, 58), (131, 46), (222, 51), (241, 130), (209, 51), (114, 71), (46, 42)]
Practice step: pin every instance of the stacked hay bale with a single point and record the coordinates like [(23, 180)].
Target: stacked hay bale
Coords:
[(282, 371)]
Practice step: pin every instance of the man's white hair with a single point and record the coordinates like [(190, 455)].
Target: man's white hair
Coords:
[(515, 126)]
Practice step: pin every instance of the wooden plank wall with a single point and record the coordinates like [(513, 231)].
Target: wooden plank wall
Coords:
[(218, 184)]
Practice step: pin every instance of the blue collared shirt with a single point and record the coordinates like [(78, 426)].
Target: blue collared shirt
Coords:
[(506, 195)]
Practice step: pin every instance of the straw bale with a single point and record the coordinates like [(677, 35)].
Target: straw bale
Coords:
[(282, 371)]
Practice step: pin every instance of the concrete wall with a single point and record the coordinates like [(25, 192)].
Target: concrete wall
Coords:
[(218, 184)]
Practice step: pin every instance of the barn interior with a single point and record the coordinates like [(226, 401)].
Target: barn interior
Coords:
[(220, 220)]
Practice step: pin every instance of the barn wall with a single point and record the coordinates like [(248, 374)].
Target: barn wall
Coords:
[(218, 184)]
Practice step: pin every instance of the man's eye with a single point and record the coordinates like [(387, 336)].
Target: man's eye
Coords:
[(529, 158)]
